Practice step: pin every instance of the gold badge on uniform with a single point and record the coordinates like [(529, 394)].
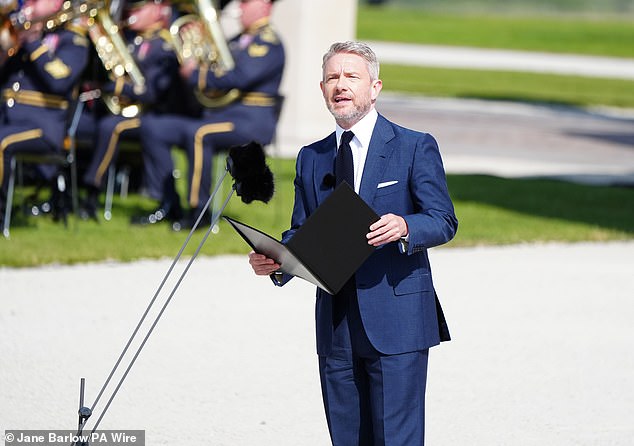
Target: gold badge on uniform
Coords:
[(80, 40), (256, 50), (57, 69), (267, 35)]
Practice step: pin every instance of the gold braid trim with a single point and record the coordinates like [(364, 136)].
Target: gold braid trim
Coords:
[(38, 52), (112, 145), (218, 127), (12, 139), (257, 99), (35, 98)]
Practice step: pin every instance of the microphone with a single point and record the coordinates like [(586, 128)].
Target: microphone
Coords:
[(329, 180), (253, 178)]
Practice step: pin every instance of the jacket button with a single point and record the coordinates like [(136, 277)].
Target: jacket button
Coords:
[(16, 86), (10, 102)]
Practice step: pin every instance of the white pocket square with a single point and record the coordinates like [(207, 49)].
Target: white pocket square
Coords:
[(386, 184)]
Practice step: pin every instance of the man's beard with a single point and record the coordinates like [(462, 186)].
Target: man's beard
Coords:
[(353, 116)]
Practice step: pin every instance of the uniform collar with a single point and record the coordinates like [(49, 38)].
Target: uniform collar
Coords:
[(152, 31), (257, 25)]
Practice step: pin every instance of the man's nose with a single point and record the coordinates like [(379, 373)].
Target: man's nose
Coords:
[(341, 83)]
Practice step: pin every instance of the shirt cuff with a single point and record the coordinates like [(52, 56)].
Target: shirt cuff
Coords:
[(277, 278), (403, 244)]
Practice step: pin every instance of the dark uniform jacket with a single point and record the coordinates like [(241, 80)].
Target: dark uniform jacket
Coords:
[(259, 65), (38, 83)]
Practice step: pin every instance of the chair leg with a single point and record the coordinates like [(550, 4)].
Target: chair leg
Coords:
[(9, 204), (107, 209), (74, 186), (123, 177)]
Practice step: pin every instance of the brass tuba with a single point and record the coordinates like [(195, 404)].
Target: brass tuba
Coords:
[(116, 59), (199, 37)]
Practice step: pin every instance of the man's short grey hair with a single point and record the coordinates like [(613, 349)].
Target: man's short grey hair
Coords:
[(358, 48)]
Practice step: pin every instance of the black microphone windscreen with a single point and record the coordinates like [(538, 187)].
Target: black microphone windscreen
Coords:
[(253, 178), (257, 187)]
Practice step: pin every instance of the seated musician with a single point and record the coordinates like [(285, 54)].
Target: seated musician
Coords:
[(259, 59), (38, 80), (151, 51)]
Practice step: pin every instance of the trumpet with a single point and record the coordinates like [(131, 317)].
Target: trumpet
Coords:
[(199, 37)]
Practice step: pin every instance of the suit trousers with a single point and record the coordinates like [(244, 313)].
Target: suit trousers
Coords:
[(370, 399)]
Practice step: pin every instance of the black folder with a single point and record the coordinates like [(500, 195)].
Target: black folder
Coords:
[(328, 248)]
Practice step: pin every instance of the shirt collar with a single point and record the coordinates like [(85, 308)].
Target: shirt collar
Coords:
[(362, 130)]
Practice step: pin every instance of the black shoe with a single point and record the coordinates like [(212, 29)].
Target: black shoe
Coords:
[(61, 201), (188, 222), (171, 215), (88, 206)]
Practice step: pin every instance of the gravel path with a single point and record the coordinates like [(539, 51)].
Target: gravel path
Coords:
[(541, 351)]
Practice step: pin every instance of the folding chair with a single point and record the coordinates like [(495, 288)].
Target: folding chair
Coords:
[(65, 159)]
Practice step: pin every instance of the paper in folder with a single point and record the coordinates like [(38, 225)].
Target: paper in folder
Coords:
[(328, 248)]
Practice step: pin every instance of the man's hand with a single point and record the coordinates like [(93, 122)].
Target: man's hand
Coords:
[(33, 34), (389, 228), (187, 68), (262, 265)]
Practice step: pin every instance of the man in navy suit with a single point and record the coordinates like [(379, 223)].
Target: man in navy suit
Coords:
[(373, 336)]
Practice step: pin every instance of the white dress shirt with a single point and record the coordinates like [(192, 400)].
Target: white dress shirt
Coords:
[(359, 145)]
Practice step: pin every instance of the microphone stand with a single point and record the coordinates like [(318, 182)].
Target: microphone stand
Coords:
[(238, 164)]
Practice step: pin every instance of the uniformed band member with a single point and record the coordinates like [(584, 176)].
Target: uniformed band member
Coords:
[(38, 85), (259, 63), (150, 47)]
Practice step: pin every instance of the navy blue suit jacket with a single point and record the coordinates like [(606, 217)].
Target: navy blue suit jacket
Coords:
[(403, 175)]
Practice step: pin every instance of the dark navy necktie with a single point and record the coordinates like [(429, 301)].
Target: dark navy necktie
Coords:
[(344, 167)]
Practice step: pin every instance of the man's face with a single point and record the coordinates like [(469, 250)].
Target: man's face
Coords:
[(253, 10), (144, 17), (347, 88), (35, 9)]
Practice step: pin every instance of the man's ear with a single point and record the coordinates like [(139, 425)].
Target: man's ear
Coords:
[(376, 89)]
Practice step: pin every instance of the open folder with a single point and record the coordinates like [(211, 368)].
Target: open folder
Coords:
[(328, 248)]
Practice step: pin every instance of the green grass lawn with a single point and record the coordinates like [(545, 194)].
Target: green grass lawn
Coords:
[(496, 210), (612, 8), (606, 36), (491, 211), (508, 86)]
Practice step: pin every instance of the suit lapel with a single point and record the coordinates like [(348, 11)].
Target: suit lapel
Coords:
[(381, 146), (325, 165)]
